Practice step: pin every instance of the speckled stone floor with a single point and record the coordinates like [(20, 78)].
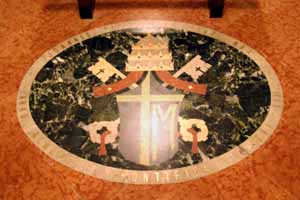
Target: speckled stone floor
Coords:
[(28, 29)]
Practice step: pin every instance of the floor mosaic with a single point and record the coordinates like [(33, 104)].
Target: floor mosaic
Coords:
[(152, 98)]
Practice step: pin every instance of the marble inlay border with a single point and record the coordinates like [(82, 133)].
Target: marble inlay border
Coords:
[(150, 177)]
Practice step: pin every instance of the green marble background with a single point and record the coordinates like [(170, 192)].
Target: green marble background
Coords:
[(236, 103)]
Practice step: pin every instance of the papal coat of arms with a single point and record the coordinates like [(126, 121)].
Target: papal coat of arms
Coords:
[(149, 123), (146, 101)]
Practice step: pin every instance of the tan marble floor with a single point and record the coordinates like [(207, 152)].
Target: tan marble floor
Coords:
[(29, 28)]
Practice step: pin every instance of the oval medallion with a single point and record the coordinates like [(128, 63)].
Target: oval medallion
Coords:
[(149, 102)]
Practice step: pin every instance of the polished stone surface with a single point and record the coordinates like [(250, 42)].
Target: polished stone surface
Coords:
[(234, 106), (272, 172)]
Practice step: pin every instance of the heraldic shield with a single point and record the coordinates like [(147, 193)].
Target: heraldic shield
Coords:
[(148, 122)]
